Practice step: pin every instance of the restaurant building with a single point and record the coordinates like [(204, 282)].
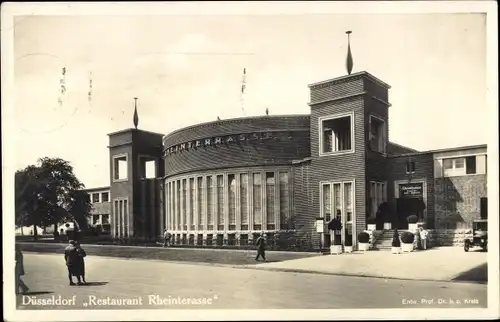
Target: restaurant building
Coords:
[(224, 182)]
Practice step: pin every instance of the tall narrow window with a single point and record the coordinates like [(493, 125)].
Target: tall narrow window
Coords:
[(327, 202), (270, 194), (284, 202), (191, 203), (257, 201), (378, 195), (348, 201), (126, 219), (337, 200), (232, 201), (336, 134), (201, 203), (122, 218), (220, 202), (210, 203), (377, 134), (244, 201), (116, 218)]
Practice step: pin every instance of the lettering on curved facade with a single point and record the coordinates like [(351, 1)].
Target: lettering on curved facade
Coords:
[(218, 140)]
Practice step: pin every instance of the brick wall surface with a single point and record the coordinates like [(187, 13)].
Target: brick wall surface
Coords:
[(458, 200)]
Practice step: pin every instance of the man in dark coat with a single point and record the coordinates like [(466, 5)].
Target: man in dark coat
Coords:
[(73, 263), (261, 247)]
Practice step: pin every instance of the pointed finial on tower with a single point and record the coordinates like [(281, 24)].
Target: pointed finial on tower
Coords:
[(136, 116), (349, 62)]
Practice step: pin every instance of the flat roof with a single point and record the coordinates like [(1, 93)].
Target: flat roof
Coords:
[(134, 130), (458, 148), (375, 79), (97, 188)]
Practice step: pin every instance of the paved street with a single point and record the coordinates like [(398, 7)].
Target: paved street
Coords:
[(223, 287)]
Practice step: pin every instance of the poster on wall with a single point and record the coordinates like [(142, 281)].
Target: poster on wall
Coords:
[(411, 190)]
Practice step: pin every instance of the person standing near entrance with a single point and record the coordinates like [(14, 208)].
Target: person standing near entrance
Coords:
[(166, 238), (261, 247), (423, 237)]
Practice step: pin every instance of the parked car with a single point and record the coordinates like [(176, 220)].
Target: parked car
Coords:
[(479, 235)]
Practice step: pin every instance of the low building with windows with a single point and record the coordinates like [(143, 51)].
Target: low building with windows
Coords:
[(224, 182), (101, 208)]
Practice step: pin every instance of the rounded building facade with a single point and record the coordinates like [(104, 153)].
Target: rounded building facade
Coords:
[(229, 180)]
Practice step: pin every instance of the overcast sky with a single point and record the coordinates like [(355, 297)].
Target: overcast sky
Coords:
[(188, 69)]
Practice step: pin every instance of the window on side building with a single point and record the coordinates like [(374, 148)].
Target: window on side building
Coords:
[(95, 197), (105, 197), (470, 165), (484, 208)]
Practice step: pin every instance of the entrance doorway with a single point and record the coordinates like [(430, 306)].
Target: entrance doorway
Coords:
[(411, 199), (408, 206)]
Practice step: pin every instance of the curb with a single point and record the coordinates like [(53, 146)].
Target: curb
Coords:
[(306, 271), (178, 248)]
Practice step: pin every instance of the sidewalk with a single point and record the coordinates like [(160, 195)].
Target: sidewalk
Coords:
[(436, 264)]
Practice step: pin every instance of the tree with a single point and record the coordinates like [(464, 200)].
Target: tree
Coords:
[(49, 193)]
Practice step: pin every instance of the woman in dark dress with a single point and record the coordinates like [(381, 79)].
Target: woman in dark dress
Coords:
[(71, 256), (81, 261)]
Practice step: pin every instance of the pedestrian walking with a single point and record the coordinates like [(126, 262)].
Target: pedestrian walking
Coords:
[(73, 263), (261, 247), (19, 271), (81, 261), (423, 237), (166, 238)]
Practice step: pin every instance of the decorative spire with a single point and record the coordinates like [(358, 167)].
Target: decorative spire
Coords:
[(349, 62), (136, 116)]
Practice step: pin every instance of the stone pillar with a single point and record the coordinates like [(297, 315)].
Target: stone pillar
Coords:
[(196, 215), (250, 202), (175, 210), (277, 211), (225, 239), (237, 202), (225, 191), (182, 205), (215, 215), (204, 240), (188, 204)]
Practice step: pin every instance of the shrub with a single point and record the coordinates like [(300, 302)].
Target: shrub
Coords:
[(371, 221), (412, 219), (395, 239), (364, 237), (407, 237)]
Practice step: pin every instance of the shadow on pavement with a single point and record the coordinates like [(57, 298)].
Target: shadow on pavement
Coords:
[(36, 293), (94, 284), (478, 274)]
